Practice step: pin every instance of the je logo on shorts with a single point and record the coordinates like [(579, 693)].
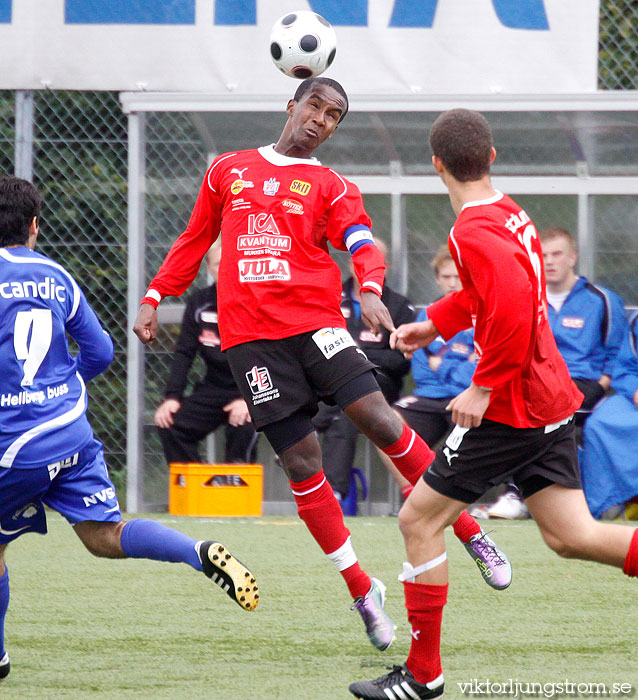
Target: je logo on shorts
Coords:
[(259, 379), (260, 384)]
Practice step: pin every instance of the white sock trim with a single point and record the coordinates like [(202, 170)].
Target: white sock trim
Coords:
[(439, 680), (410, 573), (402, 454), (304, 493), (198, 548), (344, 557)]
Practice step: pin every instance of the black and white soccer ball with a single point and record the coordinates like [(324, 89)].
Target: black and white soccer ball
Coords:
[(303, 44)]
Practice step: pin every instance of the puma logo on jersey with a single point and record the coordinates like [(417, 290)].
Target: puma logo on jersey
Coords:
[(240, 173)]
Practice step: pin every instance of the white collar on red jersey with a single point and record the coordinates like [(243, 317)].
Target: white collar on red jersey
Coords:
[(269, 153), (483, 202)]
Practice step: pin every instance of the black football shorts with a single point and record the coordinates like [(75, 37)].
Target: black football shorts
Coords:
[(472, 460), (427, 417), (280, 377)]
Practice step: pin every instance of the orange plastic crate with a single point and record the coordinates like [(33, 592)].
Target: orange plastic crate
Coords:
[(215, 489)]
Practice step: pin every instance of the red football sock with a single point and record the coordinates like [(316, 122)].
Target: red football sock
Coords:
[(424, 603), (465, 527), (320, 510), (631, 562), (410, 454)]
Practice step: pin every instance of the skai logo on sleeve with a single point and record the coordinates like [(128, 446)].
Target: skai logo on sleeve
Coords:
[(300, 187)]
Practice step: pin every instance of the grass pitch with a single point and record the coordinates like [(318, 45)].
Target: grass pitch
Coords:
[(80, 627)]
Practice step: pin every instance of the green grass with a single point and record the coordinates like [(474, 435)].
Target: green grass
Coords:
[(80, 627)]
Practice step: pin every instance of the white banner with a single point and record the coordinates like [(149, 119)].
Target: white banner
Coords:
[(222, 46)]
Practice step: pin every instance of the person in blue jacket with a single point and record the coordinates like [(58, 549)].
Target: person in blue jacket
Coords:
[(48, 453), (440, 371), (588, 322), (339, 433), (609, 455), (624, 378)]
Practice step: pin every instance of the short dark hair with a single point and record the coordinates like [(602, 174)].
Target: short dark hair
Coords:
[(462, 139), (309, 82), (19, 203)]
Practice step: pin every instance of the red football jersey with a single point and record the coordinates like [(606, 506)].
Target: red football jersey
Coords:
[(276, 215), (500, 262)]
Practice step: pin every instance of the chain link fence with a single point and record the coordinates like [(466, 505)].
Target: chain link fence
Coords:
[(7, 131), (80, 166), (618, 47)]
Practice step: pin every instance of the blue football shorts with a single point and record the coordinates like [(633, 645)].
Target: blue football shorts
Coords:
[(78, 487)]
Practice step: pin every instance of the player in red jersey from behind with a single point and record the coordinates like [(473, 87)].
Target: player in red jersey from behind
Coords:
[(514, 422), (280, 322)]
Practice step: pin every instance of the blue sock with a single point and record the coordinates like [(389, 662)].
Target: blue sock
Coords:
[(4, 604), (146, 539)]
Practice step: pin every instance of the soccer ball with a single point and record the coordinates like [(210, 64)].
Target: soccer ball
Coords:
[(302, 44)]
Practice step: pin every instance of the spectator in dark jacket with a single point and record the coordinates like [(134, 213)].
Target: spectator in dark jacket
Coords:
[(215, 400), (340, 435), (440, 372)]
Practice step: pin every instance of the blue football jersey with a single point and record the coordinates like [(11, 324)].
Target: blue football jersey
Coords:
[(43, 395)]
